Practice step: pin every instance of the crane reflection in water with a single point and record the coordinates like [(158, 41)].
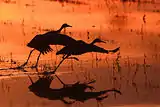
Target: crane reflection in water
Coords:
[(75, 92)]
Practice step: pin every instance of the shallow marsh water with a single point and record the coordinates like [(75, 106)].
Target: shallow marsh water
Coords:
[(132, 26)]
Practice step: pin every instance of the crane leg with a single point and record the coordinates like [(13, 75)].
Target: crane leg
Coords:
[(64, 57), (114, 50), (27, 58), (37, 60), (60, 80), (30, 79)]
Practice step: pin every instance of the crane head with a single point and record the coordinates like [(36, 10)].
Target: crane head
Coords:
[(66, 25)]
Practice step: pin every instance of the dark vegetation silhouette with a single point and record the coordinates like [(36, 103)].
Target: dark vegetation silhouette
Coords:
[(139, 1), (42, 42), (76, 2), (128, 0), (75, 92)]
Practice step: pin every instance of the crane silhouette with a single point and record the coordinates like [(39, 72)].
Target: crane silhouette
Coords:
[(42, 42), (80, 47), (76, 91)]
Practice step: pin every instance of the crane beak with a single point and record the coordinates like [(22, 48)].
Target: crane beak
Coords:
[(102, 41), (69, 26)]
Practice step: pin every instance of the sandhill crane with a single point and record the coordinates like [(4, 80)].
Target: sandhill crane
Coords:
[(42, 42), (81, 47)]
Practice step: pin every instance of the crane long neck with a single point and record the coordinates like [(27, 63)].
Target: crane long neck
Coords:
[(59, 30), (93, 42)]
